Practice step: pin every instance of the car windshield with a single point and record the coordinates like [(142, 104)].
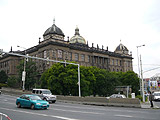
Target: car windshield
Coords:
[(35, 98), (157, 94), (46, 92)]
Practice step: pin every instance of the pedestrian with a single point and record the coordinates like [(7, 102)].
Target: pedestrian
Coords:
[(151, 98)]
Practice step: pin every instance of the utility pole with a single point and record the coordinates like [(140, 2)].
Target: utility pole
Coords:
[(24, 70), (142, 80)]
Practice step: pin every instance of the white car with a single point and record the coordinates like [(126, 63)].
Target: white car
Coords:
[(45, 94), (116, 96), (156, 96)]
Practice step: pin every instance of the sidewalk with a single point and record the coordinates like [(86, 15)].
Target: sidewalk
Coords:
[(147, 105)]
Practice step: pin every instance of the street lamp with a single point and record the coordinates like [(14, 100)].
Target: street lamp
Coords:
[(138, 65), (142, 80), (24, 69)]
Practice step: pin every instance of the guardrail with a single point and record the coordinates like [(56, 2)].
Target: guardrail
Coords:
[(6, 116)]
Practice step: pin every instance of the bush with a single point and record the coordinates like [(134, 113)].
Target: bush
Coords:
[(2, 85), (140, 97), (13, 82)]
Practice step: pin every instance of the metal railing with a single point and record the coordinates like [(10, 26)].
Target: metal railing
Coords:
[(4, 115)]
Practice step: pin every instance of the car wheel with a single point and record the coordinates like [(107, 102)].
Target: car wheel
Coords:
[(53, 101), (18, 105), (32, 107)]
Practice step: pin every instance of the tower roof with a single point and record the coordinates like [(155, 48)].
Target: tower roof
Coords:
[(53, 30), (121, 49), (77, 38)]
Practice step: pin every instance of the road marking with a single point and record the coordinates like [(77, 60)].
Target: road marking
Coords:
[(40, 114), (127, 116), (76, 111), (101, 109)]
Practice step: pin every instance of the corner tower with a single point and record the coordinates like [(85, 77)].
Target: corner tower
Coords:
[(53, 32)]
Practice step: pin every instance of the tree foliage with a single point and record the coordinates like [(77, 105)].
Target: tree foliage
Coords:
[(3, 76), (12, 82), (63, 80), (31, 74)]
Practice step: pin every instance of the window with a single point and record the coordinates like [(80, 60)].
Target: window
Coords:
[(45, 54), (82, 57), (66, 55), (88, 58), (120, 63), (59, 53), (128, 63), (54, 53), (70, 56), (117, 62), (112, 61), (76, 57)]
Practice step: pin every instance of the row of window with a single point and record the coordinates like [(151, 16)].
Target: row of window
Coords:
[(60, 54), (63, 55), (3, 64), (119, 63)]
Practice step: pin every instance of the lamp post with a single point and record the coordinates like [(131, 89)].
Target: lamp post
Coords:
[(138, 66), (24, 69), (142, 80)]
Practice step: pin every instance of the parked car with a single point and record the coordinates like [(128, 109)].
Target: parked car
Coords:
[(116, 96), (156, 96), (45, 94), (0, 92), (31, 101)]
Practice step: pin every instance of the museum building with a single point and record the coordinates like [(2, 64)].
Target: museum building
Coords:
[(53, 46)]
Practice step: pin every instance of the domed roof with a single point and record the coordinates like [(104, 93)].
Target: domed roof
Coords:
[(121, 49), (53, 30), (77, 38)]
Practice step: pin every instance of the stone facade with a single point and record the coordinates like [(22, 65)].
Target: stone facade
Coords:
[(55, 47)]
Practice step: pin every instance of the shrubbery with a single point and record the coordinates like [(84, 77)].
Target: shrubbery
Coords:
[(63, 80), (2, 85)]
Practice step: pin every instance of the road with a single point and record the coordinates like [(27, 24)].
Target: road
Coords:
[(68, 111)]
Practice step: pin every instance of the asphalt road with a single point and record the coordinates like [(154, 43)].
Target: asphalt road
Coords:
[(68, 111)]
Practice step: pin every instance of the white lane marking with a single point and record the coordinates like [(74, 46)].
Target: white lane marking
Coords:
[(40, 114), (127, 116), (101, 109), (76, 111)]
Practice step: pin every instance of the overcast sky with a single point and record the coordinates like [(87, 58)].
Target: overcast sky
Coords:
[(102, 22)]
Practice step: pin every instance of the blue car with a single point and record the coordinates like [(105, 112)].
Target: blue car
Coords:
[(31, 101)]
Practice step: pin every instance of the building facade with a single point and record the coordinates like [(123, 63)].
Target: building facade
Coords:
[(53, 46)]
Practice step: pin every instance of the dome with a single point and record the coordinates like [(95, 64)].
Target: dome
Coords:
[(121, 49), (77, 38), (53, 30)]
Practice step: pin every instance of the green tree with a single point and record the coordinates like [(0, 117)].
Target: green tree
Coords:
[(60, 79), (31, 74), (88, 81), (63, 80), (12, 82), (129, 78), (3, 76)]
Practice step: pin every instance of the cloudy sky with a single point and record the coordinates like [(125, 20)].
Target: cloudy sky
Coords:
[(102, 22)]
